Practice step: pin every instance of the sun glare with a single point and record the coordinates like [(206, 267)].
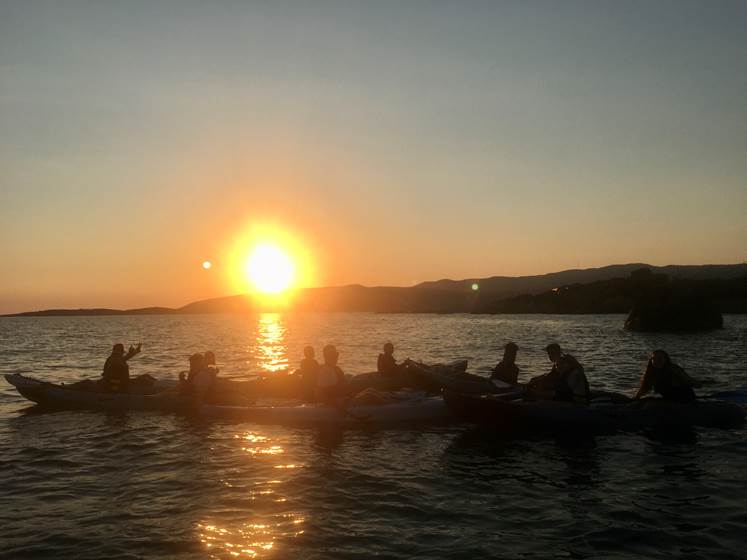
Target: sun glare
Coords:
[(269, 262), (269, 269)]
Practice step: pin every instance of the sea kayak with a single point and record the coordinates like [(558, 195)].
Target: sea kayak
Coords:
[(516, 417), (62, 396), (285, 385), (454, 378), (403, 412), (396, 409)]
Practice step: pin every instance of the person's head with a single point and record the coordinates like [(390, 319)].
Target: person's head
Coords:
[(553, 352), (330, 355), (209, 358), (118, 349), (309, 353), (509, 352), (389, 348), (196, 362), (659, 359)]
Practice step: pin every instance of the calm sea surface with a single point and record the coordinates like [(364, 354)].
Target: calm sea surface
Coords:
[(148, 485)]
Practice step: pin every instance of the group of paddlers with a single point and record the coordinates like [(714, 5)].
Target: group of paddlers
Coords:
[(197, 381), (567, 381), (326, 382)]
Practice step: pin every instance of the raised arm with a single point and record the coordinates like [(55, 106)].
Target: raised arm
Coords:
[(133, 351), (645, 386)]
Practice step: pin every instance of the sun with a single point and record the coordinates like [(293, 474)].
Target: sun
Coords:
[(269, 269), (268, 262)]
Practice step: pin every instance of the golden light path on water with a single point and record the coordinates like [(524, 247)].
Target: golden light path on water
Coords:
[(271, 349), (259, 536)]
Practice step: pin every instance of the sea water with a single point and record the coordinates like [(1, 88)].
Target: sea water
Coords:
[(148, 485)]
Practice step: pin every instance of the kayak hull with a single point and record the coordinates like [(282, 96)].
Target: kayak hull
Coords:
[(58, 396), (557, 418), (405, 412)]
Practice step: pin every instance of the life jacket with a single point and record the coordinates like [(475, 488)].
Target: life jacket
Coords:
[(562, 387), (116, 373), (329, 376), (664, 385)]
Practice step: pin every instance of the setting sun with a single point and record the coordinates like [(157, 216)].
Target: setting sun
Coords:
[(269, 269), (270, 261)]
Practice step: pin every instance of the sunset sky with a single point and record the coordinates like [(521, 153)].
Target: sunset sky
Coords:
[(386, 143)]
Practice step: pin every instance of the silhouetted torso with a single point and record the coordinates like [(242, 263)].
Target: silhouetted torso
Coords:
[(570, 385), (329, 376), (309, 372), (506, 372), (665, 382), (116, 373), (386, 364)]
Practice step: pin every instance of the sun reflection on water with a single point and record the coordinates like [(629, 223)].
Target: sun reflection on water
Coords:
[(248, 540), (257, 534), (272, 352)]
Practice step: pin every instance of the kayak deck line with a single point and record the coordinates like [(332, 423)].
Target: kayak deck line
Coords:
[(416, 409)]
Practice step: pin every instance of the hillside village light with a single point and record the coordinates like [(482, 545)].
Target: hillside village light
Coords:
[(475, 287)]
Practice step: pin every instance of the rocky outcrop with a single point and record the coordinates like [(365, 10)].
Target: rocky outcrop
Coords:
[(674, 314)]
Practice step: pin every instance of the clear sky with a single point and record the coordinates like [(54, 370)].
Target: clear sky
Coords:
[(393, 141)]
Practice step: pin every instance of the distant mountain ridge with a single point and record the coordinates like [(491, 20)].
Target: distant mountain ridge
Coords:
[(441, 296)]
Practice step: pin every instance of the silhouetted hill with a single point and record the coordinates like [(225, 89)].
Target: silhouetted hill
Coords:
[(620, 295), (506, 286), (497, 294), (228, 304), (93, 312)]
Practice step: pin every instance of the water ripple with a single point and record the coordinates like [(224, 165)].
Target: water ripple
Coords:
[(93, 485)]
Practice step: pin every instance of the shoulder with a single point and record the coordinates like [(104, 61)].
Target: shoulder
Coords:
[(571, 358)]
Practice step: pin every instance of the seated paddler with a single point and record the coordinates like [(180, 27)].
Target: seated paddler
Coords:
[(565, 382), (667, 379), (309, 372), (386, 364), (507, 371), (330, 384), (200, 379), (116, 374)]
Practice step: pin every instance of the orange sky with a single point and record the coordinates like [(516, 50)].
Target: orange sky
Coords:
[(394, 145)]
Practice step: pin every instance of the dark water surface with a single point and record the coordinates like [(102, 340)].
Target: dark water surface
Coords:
[(147, 485)]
